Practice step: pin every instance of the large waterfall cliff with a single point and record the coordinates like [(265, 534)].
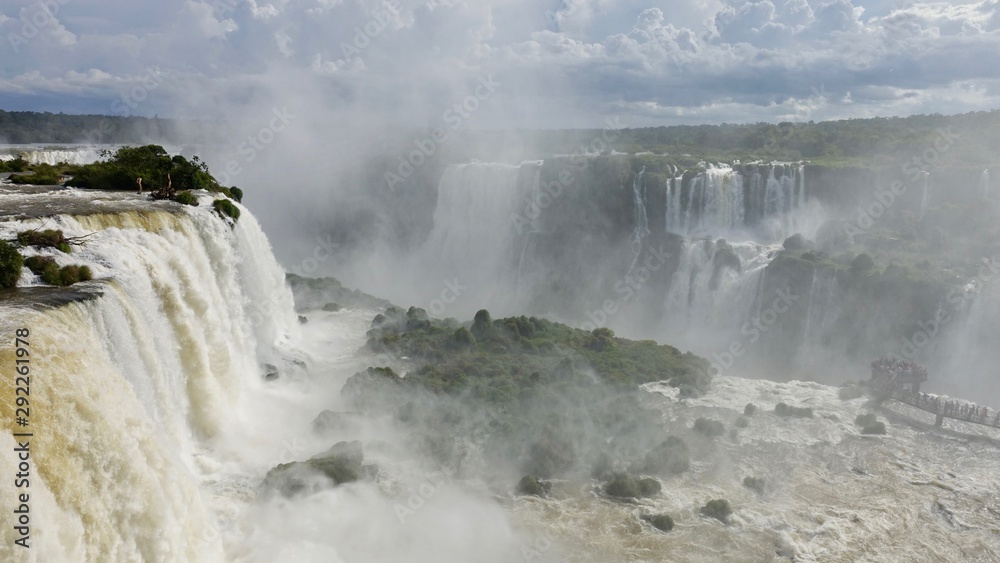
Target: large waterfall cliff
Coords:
[(135, 375)]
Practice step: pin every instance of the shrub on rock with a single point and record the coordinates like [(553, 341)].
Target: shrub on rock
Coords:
[(709, 427), (718, 509), (754, 483), (662, 522), (11, 263), (530, 486), (341, 464), (187, 198)]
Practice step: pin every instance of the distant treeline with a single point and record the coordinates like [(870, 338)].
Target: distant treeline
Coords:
[(33, 127), (971, 138), (966, 138)]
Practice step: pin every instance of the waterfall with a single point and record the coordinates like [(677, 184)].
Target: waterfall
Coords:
[(925, 195), (984, 184), (76, 154), (673, 201), (639, 216), (720, 200), (692, 306), (482, 225), (137, 387)]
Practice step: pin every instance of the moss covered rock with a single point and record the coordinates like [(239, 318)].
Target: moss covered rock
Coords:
[(718, 509), (530, 485), (662, 522), (11, 263), (340, 464), (623, 485), (708, 427)]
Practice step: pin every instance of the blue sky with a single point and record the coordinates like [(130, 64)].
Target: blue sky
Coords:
[(573, 63)]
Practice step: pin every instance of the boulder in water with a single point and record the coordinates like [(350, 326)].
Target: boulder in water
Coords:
[(662, 522), (797, 243), (530, 485), (340, 464), (331, 422), (718, 509), (270, 372)]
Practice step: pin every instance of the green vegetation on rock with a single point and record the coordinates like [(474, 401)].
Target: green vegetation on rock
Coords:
[(11, 262), (531, 486), (505, 357), (122, 169), (187, 198), (708, 427), (718, 509), (15, 165), (662, 522), (341, 464), (52, 274), (623, 485), (226, 208), (48, 238), (754, 483), (550, 400), (41, 175)]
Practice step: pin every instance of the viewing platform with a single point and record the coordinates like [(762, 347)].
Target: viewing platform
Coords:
[(900, 380)]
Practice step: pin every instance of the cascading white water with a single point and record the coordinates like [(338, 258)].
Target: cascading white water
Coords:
[(135, 391), (72, 154), (925, 196), (694, 307), (984, 184), (639, 216), (480, 223), (722, 200)]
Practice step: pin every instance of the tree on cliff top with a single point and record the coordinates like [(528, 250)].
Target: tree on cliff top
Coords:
[(121, 170)]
